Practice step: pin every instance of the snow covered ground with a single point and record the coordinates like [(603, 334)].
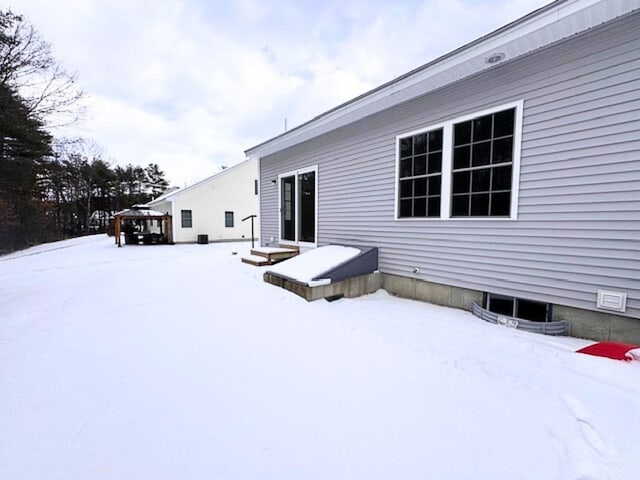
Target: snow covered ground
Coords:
[(178, 362)]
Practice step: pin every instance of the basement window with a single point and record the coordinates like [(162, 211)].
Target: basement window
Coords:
[(517, 307)]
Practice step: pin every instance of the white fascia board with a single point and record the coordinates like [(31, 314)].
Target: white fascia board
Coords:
[(536, 30)]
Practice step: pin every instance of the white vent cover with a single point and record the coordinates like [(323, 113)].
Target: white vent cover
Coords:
[(609, 300)]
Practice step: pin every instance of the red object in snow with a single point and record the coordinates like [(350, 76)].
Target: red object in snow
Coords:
[(615, 350)]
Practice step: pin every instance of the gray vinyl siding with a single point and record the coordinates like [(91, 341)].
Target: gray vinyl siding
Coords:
[(578, 226)]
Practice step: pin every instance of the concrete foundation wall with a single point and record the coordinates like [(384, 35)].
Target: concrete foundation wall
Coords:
[(599, 326), (439, 294), (584, 323)]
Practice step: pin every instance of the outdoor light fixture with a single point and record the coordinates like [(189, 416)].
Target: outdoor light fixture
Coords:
[(274, 181), (495, 58)]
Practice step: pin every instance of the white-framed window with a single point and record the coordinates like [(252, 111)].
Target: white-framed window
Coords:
[(466, 167), (186, 218), (420, 174)]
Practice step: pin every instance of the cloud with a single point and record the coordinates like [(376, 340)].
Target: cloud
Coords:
[(191, 84), (188, 147)]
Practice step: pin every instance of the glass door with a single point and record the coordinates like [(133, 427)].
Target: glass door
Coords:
[(298, 206), (307, 209), (288, 208)]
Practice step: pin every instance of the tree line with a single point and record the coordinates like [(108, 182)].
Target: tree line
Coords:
[(81, 191), (52, 188)]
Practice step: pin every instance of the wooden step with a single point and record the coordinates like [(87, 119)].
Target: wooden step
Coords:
[(291, 247), (274, 254), (256, 260)]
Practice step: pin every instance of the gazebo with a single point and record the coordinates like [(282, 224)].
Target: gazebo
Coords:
[(142, 226)]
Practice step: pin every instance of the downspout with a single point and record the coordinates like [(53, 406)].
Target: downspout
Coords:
[(261, 242), (173, 221)]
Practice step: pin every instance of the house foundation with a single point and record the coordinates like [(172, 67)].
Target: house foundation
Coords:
[(430, 292), (589, 324), (599, 325)]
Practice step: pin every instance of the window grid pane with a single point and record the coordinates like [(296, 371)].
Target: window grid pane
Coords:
[(420, 175), (482, 166)]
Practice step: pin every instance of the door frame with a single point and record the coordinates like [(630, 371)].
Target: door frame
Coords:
[(298, 210)]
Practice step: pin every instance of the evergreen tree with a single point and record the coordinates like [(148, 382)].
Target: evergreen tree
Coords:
[(34, 90), (156, 183), (23, 145)]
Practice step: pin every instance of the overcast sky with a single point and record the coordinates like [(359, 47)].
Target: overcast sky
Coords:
[(191, 84)]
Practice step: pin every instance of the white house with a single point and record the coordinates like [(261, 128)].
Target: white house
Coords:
[(214, 207)]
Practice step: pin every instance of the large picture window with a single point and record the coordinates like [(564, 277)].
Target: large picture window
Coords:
[(466, 167), (482, 166)]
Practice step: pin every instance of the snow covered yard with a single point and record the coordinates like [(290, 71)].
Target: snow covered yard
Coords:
[(178, 362)]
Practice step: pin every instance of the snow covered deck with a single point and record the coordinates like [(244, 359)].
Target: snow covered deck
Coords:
[(329, 271)]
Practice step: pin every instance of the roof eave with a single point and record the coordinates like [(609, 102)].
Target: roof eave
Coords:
[(461, 63)]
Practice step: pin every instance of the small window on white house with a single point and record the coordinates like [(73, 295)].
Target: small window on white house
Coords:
[(186, 219), (255, 187), (228, 219)]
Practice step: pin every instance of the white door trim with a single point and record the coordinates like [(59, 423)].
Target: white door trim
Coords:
[(296, 174)]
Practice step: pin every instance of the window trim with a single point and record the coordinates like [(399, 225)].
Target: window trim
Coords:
[(447, 165)]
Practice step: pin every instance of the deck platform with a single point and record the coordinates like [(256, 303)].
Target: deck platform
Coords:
[(262, 256), (355, 276)]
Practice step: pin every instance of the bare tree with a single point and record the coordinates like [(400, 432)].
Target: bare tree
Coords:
[(36, 93), (27, 65)]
